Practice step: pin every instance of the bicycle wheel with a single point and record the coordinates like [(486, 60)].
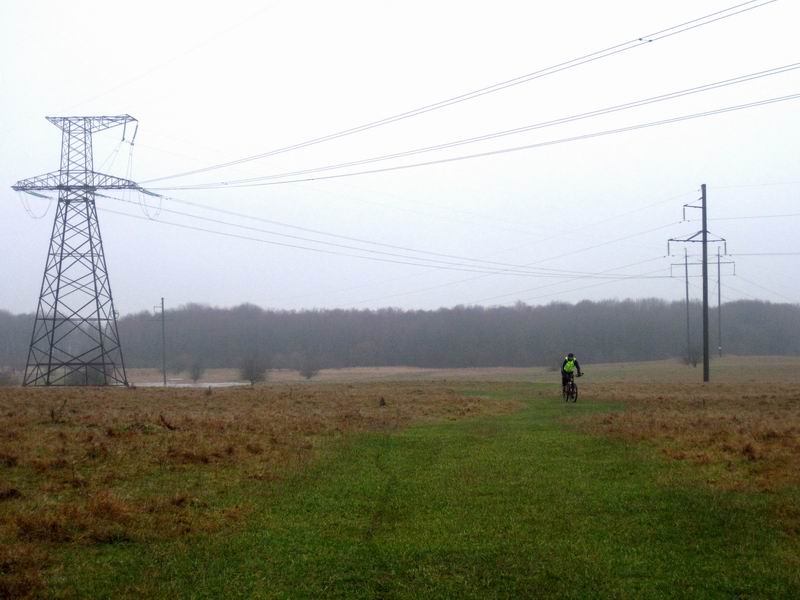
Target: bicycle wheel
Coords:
[(565, 392), (574, 392)]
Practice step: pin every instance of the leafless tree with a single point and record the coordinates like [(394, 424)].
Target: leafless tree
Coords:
[(254, 369), (196, 370), (308, 365)]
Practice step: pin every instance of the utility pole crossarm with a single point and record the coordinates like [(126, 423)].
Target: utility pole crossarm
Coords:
[(683, 265), (693, 239), (690, 238), (88, 181)]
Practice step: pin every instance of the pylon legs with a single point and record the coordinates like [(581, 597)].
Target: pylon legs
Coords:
[(75, 339)]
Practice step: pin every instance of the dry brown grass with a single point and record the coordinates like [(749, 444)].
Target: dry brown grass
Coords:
[(749, 432), (728, 369), (93, 466)]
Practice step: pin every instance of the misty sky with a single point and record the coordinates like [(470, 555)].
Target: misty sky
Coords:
[(215, 82)]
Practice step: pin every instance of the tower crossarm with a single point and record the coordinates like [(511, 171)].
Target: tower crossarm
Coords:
[(91, 124), (88, 181)]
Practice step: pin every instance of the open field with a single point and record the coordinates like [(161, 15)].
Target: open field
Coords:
[(751, 432), (80, 468), (725, 369), (650, 485)]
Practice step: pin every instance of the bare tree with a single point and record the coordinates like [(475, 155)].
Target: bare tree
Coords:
[(692, 356), (307, 365), (196, 370), (254, 369)]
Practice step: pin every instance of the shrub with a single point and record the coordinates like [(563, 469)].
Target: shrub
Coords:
[(196, 370), (308, 365), (254, 369)]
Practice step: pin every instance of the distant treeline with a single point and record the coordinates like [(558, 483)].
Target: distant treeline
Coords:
[(520, 335)]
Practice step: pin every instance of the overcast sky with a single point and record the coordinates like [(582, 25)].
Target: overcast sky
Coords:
[(215, 82)]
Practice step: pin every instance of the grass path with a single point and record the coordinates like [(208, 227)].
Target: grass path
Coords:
[(497, 507)]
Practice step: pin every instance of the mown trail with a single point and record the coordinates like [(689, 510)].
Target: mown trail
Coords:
[(503, 506)]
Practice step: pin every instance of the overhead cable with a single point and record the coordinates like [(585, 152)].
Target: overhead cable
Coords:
[(407, 293), (586, 58), (330, 234), (565, 140), (516, 249), (515, 131), (766, 289), (412, 260), (509, 268)]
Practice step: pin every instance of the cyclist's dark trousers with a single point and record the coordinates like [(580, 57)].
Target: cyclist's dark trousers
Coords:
[(565, 378)]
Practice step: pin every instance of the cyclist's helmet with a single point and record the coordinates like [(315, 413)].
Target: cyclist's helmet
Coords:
[(570, 355)]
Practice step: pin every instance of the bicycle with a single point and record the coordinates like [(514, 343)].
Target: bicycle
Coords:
[(570, 391)]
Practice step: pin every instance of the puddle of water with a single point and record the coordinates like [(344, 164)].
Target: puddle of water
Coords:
[(175, 384)]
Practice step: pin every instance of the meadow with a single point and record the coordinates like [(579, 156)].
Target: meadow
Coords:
[(400, 483)]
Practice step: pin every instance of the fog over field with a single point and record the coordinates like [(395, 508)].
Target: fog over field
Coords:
[(584, 219)]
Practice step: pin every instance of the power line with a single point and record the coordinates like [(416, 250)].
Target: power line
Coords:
[(393, 246), (576, 138), (509, 268), (587, 58), (766, 289), (325, 233), (620, 278), (613, 217), (518, 292), (336, 253), (498, 272), (517, 130), (766, 270), (585, 287), (539, 241), (27, 207), (738, 291), (570, 253), (727, 286)]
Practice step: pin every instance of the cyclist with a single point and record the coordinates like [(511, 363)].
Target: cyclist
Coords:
[(568, 369)]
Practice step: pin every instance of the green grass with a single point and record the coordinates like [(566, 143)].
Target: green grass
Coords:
[(504, 506)]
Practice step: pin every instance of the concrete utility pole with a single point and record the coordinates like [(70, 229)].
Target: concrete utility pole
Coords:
[(700, 237), (719, 303), (688, 319), (163, 342), (706, 356)]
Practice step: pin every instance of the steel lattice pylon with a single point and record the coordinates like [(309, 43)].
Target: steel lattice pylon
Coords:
[(75, 340)]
